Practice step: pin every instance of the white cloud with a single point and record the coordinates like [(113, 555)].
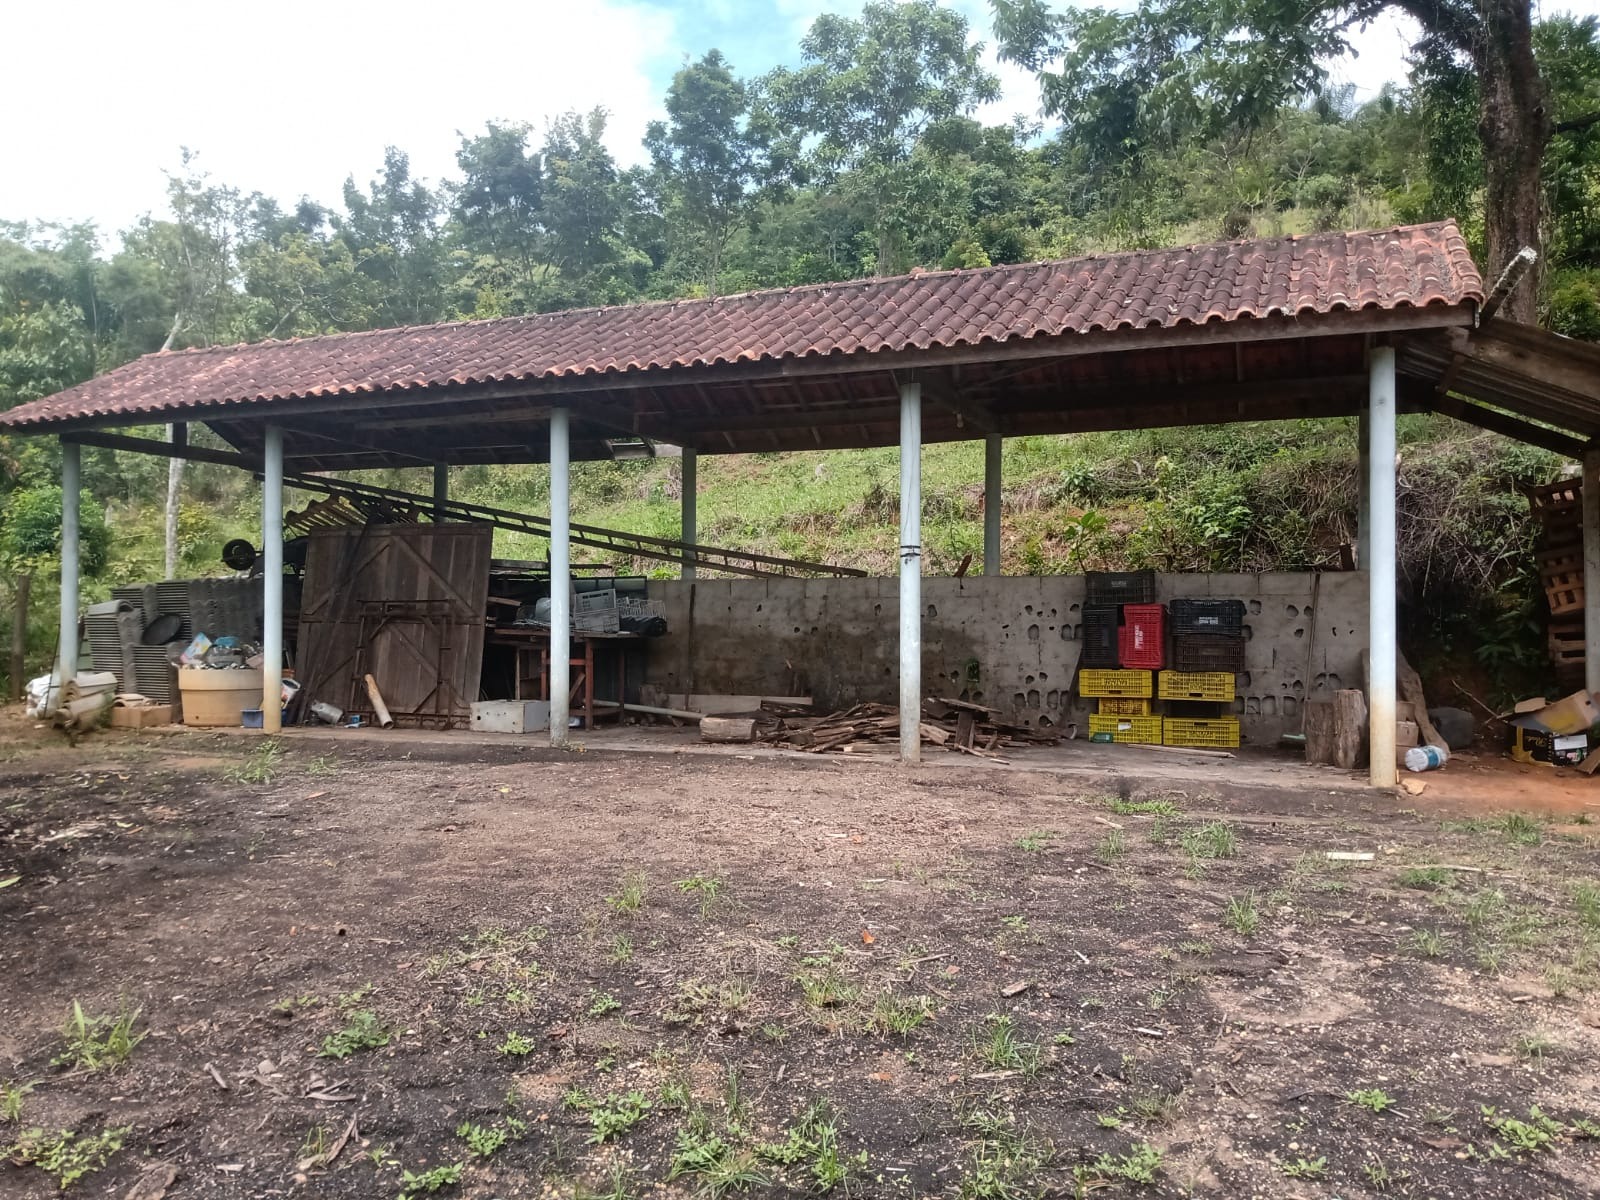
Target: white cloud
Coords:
[(294, 96)]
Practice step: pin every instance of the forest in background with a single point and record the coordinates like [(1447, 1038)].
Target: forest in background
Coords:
[(864, 159)]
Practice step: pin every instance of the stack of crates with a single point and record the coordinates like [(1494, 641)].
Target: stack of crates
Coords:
[(1135, 652), (1208, 643)]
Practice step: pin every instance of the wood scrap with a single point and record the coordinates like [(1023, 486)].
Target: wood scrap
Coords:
[(727, 729), (953, 724)]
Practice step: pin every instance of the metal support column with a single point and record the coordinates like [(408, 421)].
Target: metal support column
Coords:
[(1381, 640), (441, 490), (272, 579), (1591, 571), (560, 580), (992, 446), (67, 650), (689, 526), (1363, 491), (911, 571)]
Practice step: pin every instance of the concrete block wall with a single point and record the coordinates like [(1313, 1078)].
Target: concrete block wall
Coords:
[(1010, 642)]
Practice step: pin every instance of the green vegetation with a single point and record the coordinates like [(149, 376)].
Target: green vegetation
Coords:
[(426, 1183), (65, 1155), (95, 1043), (706, 887), (613, 1115), (1139, 1165), (1242, 914), (1374, 1099), (260, 766), (997, 1045), (630, 896), (362, 1031), (1005, 1160), (515, 1045)]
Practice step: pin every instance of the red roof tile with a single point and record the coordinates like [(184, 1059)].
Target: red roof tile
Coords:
[(1389, 269)]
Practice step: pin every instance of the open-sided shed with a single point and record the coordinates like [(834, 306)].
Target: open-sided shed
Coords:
[(1345, 324)]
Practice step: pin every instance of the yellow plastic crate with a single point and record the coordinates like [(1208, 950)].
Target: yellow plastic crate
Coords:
[(1146, 731), (1136, 684), (1195, 685), (1117, 706), (1219, 732)]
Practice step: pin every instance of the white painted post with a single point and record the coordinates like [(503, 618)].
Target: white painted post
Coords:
[(689, 526), (441, 490), (67, 649), (560, 579), (272, 580), (1363, 491), (911, 571), (1381, 640), (1591, 571), (992, 446)]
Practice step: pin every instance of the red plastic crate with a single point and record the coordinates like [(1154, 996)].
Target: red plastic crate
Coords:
[(1142, 637)]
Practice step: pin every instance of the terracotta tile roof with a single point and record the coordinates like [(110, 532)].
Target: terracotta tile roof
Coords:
[(1388, 269)]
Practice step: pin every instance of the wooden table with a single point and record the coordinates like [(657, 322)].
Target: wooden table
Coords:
[(525, 639)]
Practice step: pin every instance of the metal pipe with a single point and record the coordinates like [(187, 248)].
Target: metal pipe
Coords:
[(272, 580), (20, 587), (441, 490), (1381, 640), (560, 579), (67, 648), (689, 527), (1363, 491), (1591, 571), (911, 571), (682, 714), (992, 447)]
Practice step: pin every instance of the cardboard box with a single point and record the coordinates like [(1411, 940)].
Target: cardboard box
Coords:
[(140, 715), (1542, 746), (511, 716)]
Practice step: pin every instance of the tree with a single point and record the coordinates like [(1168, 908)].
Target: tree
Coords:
[(868, 91), (499, 207), (707, 156), (586, 202), (1129, 81), (393, 231)]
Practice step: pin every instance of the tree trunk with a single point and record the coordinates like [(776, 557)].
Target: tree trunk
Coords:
[(1514, 127)]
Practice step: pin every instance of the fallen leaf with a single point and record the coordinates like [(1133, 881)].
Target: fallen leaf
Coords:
[(153, 1184), (867, 938), (1015, 989), (881, 1077), (4, 883)]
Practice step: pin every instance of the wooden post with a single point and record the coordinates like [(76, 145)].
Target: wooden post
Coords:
[(19, 634)]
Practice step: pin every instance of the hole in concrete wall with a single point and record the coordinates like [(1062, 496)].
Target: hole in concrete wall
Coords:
[(933, 611), (813, 631), (1052, 699), (1331, 682), (1255, 607), (1019, 699), (1069, 633), (1334, 630), (955, 676), (1033, 633), (1045, 722), (1052, 614), (1029, 679), (1299, 633), (1306, 611), (1269, 706), (976, 697), (1289, 706), (1290, 611), (887, 671), (1072, 608), (1252, 706), (1238, 706), (1033, 698), (1298, 688), (797, 629), (1044, 675), (1249, 632), (758, 608), (1244, 679), (877, 610), (1028, 608)]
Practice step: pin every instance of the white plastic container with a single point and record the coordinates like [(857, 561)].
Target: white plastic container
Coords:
[(1426, 758)]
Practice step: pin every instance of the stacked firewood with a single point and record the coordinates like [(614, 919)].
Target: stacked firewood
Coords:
[(956, 725)]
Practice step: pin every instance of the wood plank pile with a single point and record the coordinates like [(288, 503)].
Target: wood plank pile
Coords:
[(956, 725)]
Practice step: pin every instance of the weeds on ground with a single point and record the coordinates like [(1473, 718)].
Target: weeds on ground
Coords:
[(67, 1156), (706, 887), (485, 1141), (1423, 878), (1036, 841), (11, 1098), (1534, 1045), (1004, 1159), (621, 949), (1139, 1165), (1242, 914), (997, 1046), (630, 895), (603, 1003), (515, 1045), (94, 1043), (260, 766), (1113, 847), (614, 1188), (1537, 1133), (322, 764), (1214, 839), (613, 1115), (901, 1015), (1306, 1168), (813, 1140), (1374, 1099), (1141, 808), (825, 986), (1428, 942), (362, 1031), (426, 1183)]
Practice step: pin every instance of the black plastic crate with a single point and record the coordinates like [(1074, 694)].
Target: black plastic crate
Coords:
[(1119, 587), (1207, 652), (1099, 638), (1221, 617)]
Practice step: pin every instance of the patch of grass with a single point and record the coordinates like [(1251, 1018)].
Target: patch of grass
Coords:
[(721, 1168), (97, 1043), (1036, 841), (1214, 839), (322, 764), (65, 1155), (1141, 808), (485, 1141), (630, 896), (515, 1045), (734, 995), (1139, 1165), (1306, 1168), (1112, 847), (1374, 1099), (1242, 914), (1534, 1045), (1537, 1133), (1520, 829), (1015, 923), (603, 1003), (1423, 878), (426, 1183), (997, 1046), (1004, 1159), (826, 987), (615, 1114), (11, 1097), (621, 949), (1586, 902), (901, 1015), (1157, 1108), (706, 887), (362, 1031), (674, 1095), (614, 1188), (259, 767), (1428, 942)]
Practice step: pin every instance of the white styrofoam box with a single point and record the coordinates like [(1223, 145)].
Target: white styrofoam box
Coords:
[(511, 716)]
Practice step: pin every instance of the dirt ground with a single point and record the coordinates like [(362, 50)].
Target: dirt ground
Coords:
[(621, 974)]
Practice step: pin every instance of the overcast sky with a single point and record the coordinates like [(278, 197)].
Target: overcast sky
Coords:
[(290, 98)]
